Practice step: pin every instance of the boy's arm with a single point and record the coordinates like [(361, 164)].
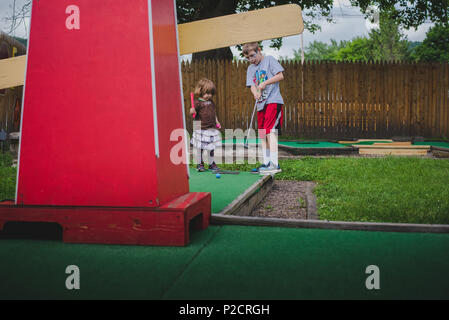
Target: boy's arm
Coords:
[(256, 92)]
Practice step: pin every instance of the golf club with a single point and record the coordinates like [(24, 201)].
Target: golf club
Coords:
[(245, 144)]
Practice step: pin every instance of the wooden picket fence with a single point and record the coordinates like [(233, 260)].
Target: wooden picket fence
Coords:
[(331, 100)]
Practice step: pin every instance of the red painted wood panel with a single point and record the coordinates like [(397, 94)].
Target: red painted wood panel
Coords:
[(172, 178), (87, 132)]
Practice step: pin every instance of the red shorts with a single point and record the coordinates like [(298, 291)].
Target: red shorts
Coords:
[(270, 118)]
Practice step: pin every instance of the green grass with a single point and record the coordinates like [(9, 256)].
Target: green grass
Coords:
[(7, 177), (390, 189)]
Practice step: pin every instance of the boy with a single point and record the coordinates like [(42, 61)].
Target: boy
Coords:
[(263, 76)]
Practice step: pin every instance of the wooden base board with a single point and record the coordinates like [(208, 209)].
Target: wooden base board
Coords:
[(393, 151), (163, 226)]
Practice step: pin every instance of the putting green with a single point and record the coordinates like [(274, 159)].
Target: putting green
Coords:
[(440, 144), (240, 141), (294, 144), (225, 189), (234, 262), (366, 143), (311, 144)]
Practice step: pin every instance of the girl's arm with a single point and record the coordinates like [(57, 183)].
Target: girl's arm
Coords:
[(218, 123)]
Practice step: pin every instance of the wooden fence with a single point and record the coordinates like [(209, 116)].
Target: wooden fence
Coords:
[(336, 100)]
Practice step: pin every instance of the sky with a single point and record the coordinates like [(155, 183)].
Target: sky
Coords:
[(348, 24)]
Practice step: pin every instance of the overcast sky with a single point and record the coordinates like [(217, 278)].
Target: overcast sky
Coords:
[(348, 24)]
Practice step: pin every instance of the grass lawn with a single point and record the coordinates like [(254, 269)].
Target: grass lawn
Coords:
[(7, 177), (389, 189)]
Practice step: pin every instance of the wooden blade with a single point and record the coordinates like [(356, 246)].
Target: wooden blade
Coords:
[(12, 72), (230, 30), (225, 31)]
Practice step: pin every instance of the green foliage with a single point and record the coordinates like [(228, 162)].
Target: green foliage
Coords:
[(5, 160), (388, 43), (359, 49), (7, 177), (384, 44), (320, 51), (435, 46)]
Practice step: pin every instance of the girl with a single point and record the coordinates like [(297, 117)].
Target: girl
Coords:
[(205, 135)]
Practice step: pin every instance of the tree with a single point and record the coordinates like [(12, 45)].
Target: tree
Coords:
[(435, 46), (359, 49), (388, 43), (318, 50), (408, 14)]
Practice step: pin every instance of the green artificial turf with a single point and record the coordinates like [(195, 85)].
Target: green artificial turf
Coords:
[(35, 269), (241, 141), (311, 144), (294, 144), (366, 143), (234, 262), (225, 189), (282, 263), (440, 144)]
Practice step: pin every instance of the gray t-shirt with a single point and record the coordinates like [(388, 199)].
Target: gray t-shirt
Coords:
[(256, 74)]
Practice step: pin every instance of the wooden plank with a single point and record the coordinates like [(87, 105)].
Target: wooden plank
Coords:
[(407, 152), (12, 72), (230, 30), (391, 146)]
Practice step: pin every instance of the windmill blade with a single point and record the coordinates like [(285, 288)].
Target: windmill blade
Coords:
[(202, 35), (12, 72), (230, 30)]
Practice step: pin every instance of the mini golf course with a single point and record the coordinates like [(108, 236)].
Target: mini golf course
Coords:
[(232, 262), (361, 146)]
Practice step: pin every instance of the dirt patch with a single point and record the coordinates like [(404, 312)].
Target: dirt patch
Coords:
[(288, 200)]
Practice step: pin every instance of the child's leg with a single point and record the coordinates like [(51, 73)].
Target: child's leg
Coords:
[(273, 120), (273, 147), (199, 156), (266, 149), (211, 157), (263, 137)]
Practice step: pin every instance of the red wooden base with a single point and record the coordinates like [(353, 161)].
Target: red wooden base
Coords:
[(165, 226)]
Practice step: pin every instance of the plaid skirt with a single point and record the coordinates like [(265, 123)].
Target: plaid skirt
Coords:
[(206, 139)]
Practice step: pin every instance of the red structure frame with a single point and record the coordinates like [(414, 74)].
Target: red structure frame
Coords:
[(100, 104)]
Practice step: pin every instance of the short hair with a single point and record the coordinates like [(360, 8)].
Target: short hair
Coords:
[(247, 47), (204, 86)]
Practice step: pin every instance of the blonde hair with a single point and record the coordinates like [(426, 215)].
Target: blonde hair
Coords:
[(204, 86), (247, 47)]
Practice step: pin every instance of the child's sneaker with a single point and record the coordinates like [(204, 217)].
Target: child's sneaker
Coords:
[(213, 167), (200, 167), (256, 170), (270, 169)]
